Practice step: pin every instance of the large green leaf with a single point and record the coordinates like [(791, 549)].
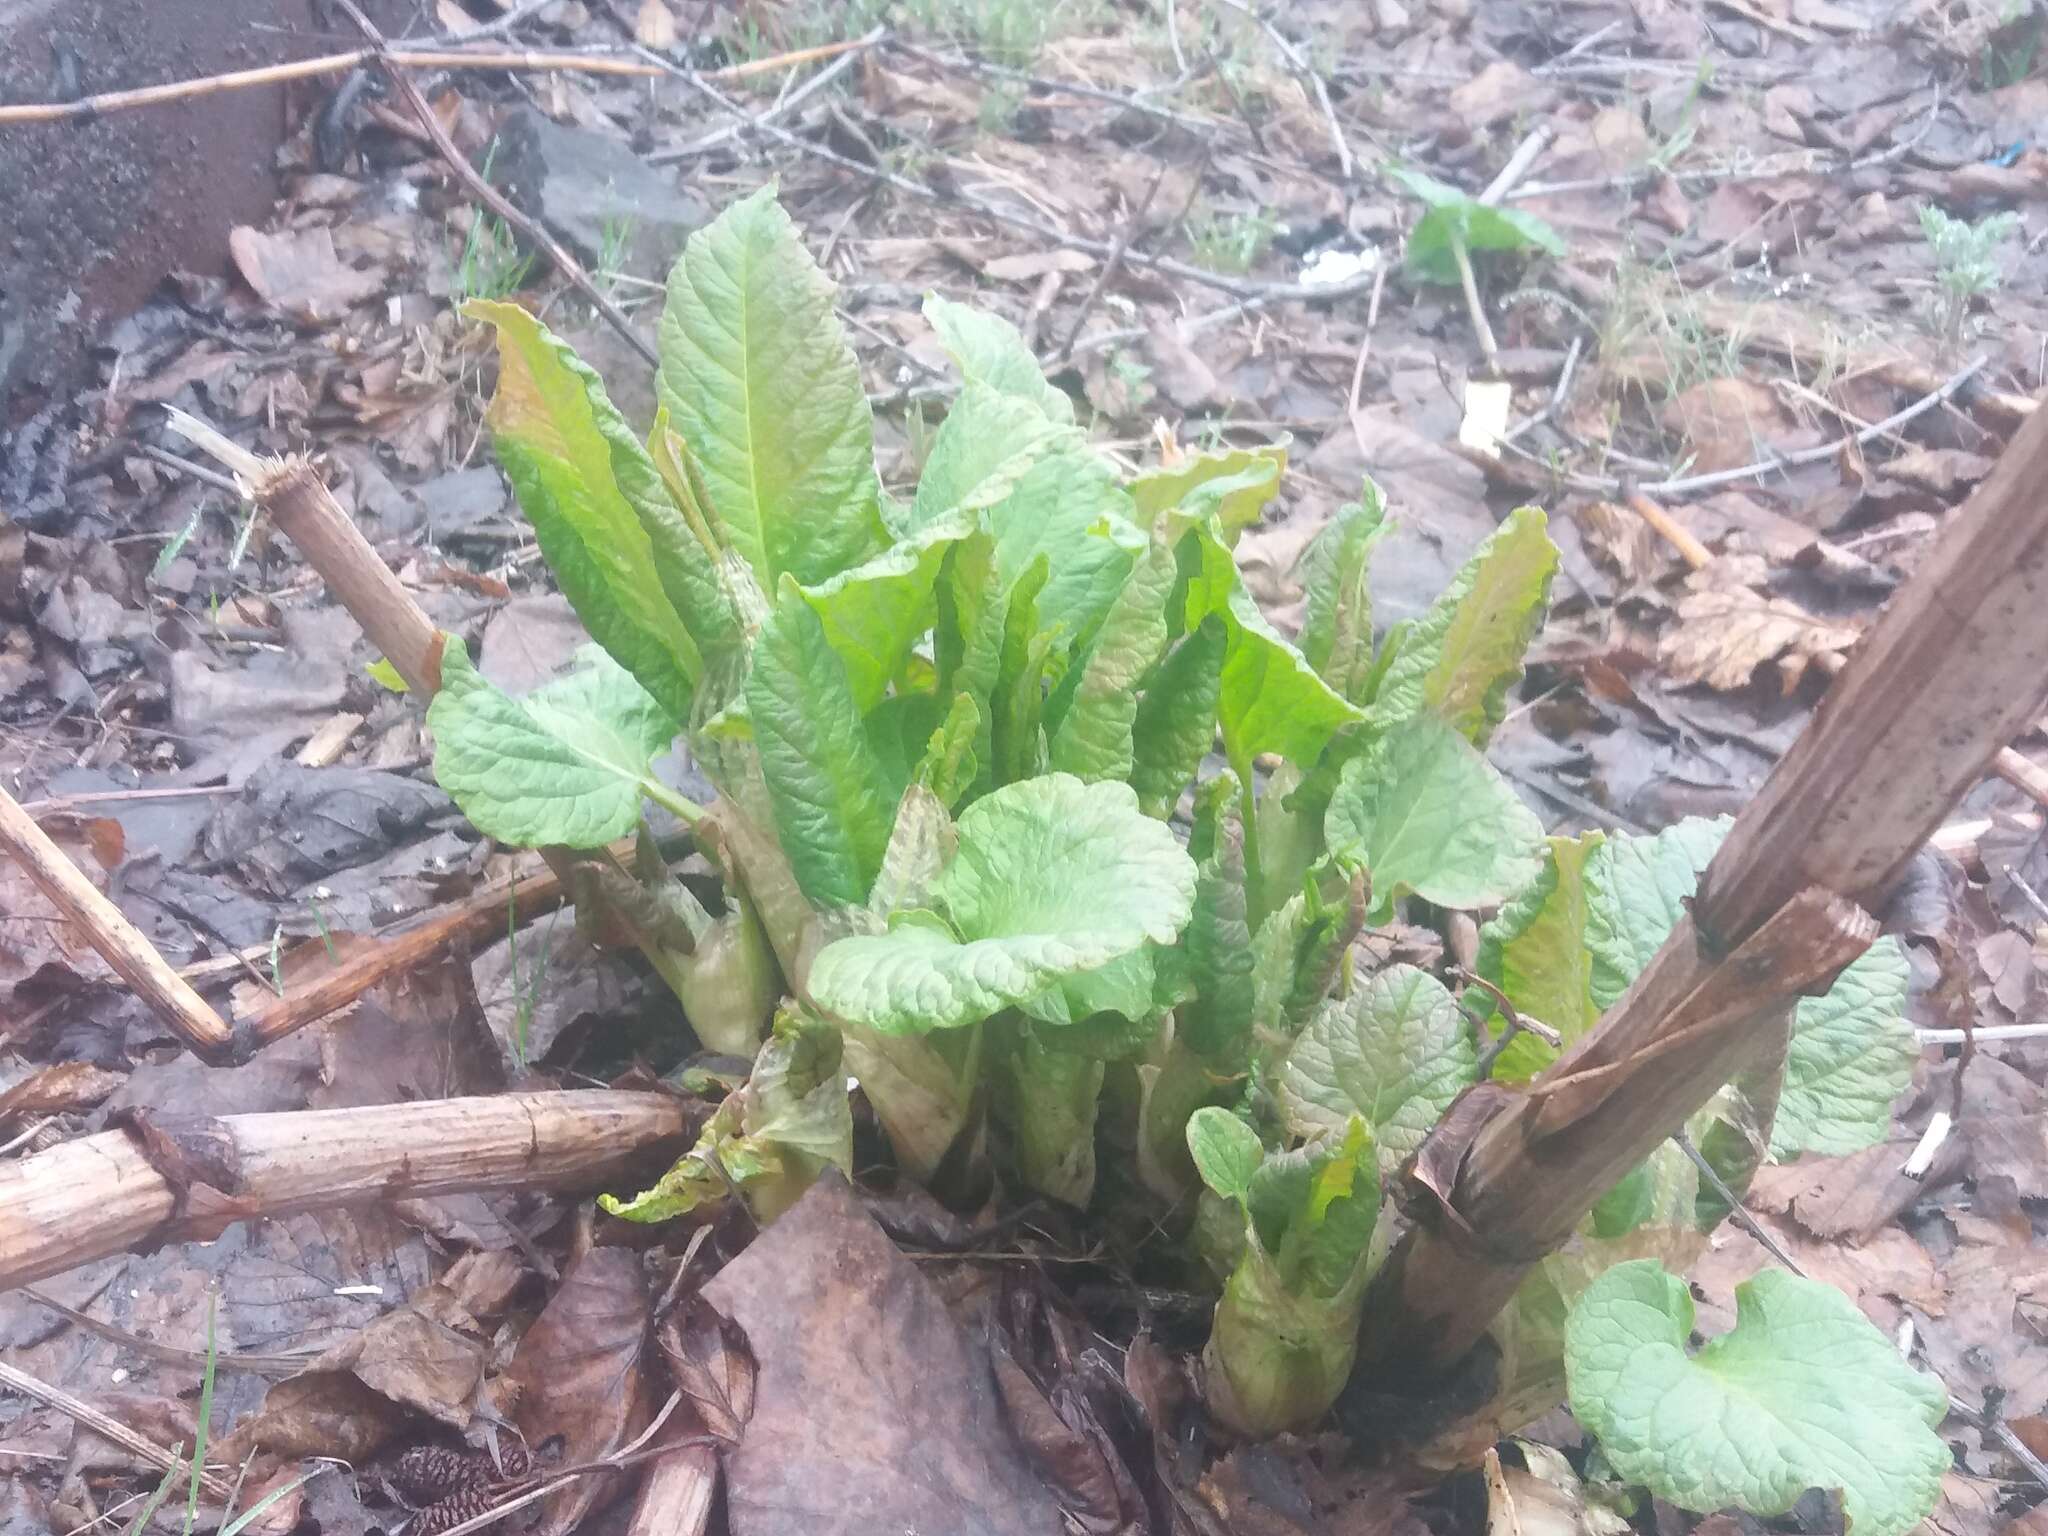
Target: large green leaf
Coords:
[(1394, 1053), (1336, 627), (1636, 891), (761, 384), (1094, 736), (1176, 720), (558, 438), (1803, 1393), (1454, 217), (832, 807), (565, 764), (989, 350), (1272, 700), (874, 613), (1420, 810), (1216, 1023), (1852, 1054), (1459, 659), (1235, 484), (1534, 950), (1069, 508), (989, 440), (1052, 879)]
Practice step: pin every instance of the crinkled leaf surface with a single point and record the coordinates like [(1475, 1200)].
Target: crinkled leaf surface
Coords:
[(1852, 1054), (1422, 811), (1454, 216), (1069, 508), (1094, 737), (556, 434), (565, 764), (1176, 720), (1052, 879), (1394, 1053), (1804, 1392), (1636, 890), (1235, 484), (1459, 659), (1227, 1152), (989, 350), (1272, 700), (1534, 950), (833, 809), (874, 613), (761, 384), (1336, 627), (988, 442), (771, 1138), (1216, 1022)]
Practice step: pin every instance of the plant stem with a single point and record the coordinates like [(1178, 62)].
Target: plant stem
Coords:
[(684, 809)]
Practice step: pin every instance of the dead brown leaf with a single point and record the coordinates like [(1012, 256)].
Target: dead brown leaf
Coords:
[(1722, 635), (581, 1374), (873, 1409), (1730, 422), (297, 271)]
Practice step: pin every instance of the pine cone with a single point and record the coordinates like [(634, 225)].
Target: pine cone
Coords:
[(452, 1511), (430, 1472)]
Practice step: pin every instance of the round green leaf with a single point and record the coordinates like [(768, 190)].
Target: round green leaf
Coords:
[(1804, 1392), (1053, 879)]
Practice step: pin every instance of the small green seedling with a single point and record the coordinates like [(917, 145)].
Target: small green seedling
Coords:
[(1231, 242), (1966, 268)]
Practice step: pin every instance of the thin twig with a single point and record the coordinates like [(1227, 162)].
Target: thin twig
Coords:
[(490, 196), (190, 470), (1115, 257), (1180, 60), (786, 104), (111, 1430), (1372, 319), (1309, 75), (1517, 1023), (1241, 288), (1828, 450), (1127, 101), (526, 59)]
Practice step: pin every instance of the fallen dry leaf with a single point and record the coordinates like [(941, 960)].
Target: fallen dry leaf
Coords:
[(1722, 635), (581, 1374), (873, 1410), (655, 26), (1727, 423), (297, 271)]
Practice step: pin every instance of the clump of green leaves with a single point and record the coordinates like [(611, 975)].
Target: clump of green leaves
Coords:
[(1965, 262), (1286, 1329), (950, 732), (1231, 242)]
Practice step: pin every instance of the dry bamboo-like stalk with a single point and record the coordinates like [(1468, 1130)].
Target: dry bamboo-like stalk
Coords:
[(102, 1194), (119, 941), (1955, 667), (292, 492), (524, 59)]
